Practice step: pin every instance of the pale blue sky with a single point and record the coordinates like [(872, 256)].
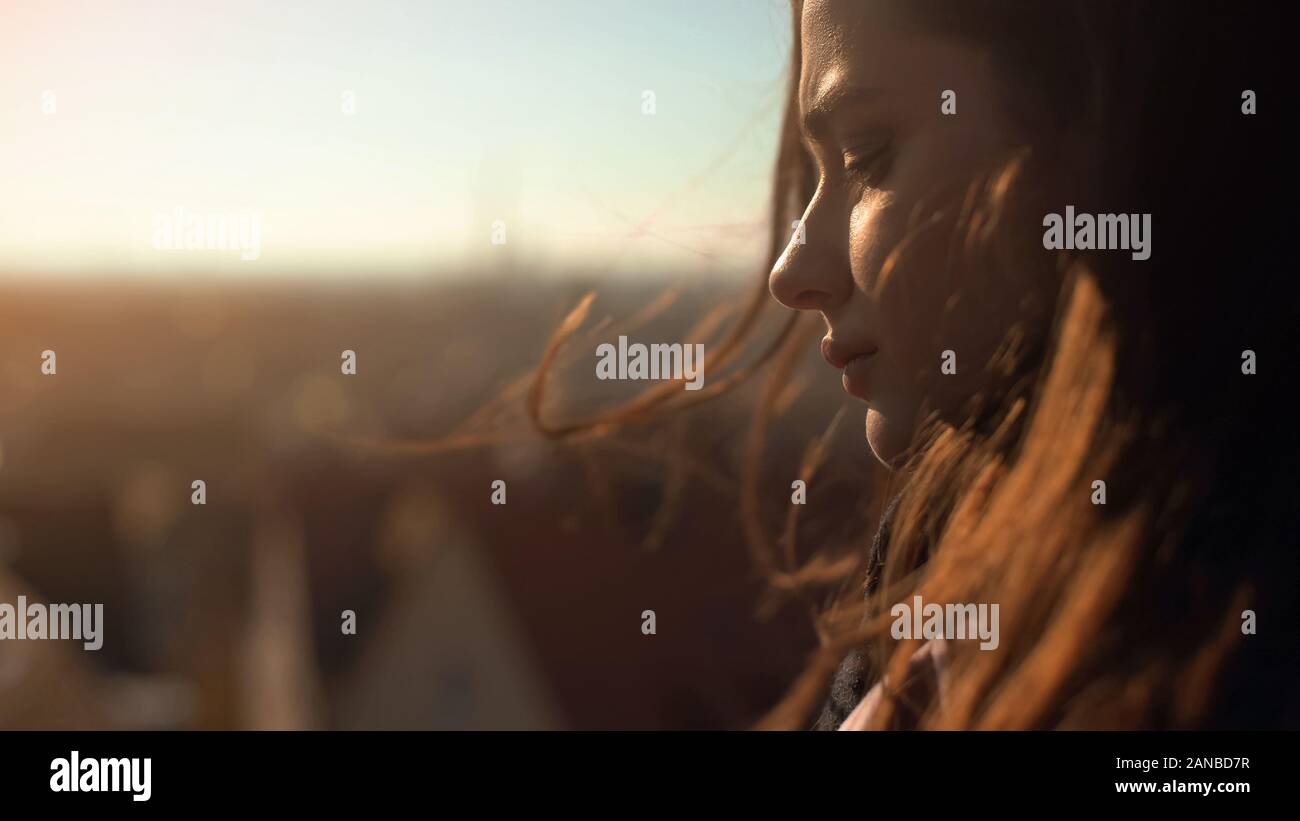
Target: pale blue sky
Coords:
[(465, 113)]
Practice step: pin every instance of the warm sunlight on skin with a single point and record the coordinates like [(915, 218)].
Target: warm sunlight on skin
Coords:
[(892, 172)]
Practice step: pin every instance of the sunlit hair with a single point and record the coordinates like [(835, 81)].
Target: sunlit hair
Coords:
[(1118, 615)]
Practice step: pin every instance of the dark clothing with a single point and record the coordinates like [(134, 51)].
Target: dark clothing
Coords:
[(856, 675)]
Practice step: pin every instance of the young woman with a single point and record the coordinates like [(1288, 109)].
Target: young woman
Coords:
[(1080, 425), (1046, 242)]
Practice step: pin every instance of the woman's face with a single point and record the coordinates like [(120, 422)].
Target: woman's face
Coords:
[(893, 173)]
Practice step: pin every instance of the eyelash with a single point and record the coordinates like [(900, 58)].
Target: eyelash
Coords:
[(870, 167)]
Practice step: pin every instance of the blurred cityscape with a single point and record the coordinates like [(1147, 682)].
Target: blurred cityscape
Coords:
[(468, 614)]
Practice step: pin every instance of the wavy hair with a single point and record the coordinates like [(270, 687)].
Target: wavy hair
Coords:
[(1122, 615)]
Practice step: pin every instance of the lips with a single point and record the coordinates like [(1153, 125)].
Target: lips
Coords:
[(854, 360)]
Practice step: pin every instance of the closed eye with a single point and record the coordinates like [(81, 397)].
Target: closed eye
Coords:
[(869, 164)]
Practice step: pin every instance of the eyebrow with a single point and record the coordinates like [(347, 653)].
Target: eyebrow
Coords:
[(816, 117)]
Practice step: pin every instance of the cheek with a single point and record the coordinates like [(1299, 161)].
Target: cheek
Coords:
[(930, 308), (872, 233), (927, 305), (906, 277), (927, 298)]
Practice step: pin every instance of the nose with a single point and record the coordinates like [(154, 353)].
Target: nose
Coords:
[(813, 272)]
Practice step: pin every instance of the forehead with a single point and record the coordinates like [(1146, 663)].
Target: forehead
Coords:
[(876, 44), (843, 41)]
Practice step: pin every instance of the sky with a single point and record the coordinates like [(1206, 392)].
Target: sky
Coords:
[(375, 136)]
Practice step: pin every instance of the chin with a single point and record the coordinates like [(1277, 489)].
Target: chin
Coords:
[(888, 439)]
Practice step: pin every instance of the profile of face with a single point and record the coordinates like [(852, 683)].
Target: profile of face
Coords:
[(875, 250)]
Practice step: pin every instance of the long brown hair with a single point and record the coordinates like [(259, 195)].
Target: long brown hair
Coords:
[(1127, 614)]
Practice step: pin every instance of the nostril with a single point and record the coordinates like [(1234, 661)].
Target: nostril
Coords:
[(809, 300), (789, 294)]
